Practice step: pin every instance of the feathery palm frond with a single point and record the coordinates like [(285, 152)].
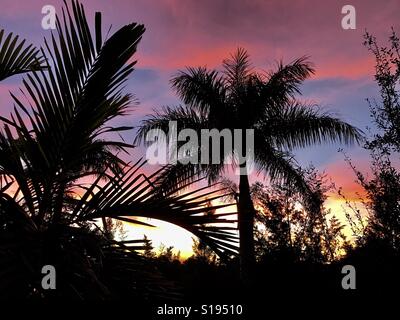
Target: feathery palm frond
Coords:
[(78, 95), (201, 89), (298, 125), (130, 195), (284, 83), (71, 103), (187, 167), (16, 58), (237, 69)]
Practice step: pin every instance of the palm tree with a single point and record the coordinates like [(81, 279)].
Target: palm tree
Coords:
[(60, 135), (241, 98)]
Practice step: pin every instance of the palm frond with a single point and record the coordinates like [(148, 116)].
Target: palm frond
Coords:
[(299, 125), (131, 196), (185, 170), (284, 83), (80, 93), (282, 169), (201, 89), (16, 57), (237, 68)]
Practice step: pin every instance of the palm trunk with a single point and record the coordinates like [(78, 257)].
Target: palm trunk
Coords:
[(106, 230), (246, 224)]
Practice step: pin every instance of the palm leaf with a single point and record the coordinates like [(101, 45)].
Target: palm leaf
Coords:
[(78, 95), (131, 195), (16, 57), (298, 125), (284, 83)]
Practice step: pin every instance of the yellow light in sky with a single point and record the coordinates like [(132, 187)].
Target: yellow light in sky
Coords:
[(167, 234), (337, 206), (163, 233)]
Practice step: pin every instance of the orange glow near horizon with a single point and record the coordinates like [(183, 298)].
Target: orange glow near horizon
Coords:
[(163, 234), (167, 234)]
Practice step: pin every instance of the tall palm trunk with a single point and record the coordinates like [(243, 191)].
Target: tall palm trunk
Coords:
[(246, 224)]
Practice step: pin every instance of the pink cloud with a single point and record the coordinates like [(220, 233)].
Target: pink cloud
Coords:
[(345, 178)]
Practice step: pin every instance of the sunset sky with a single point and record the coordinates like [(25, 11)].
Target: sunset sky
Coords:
[(196, 33)]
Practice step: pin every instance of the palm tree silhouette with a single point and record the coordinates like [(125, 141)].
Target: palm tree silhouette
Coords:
[(241, 98), (57, 137)]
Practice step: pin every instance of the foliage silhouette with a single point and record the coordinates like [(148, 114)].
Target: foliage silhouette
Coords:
[(383, 188), (48, 213), (291, 232)]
